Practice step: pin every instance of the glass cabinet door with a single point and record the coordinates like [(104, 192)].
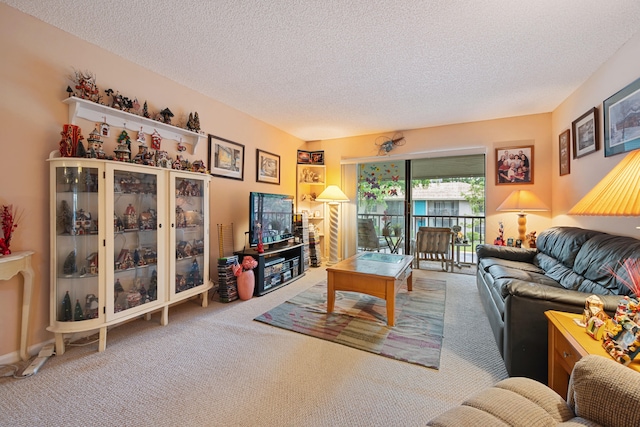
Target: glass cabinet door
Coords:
[(76, 263), (189, 232), (135, 240)]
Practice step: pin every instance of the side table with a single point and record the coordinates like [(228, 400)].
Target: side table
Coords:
[(569, 343), (10, 265)]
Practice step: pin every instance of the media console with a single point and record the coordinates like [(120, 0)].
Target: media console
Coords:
[(277, 267)]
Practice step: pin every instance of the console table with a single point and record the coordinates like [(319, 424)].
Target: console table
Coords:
[(10, 265)]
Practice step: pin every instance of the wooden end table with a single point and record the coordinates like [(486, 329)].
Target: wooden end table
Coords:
[(569, 343), (372, 273)]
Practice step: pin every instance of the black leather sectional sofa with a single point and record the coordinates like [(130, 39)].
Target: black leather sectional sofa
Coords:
[(518, 285)]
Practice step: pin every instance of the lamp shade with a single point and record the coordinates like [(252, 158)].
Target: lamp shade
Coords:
[(332, 193), (522, 200), (617, 194)]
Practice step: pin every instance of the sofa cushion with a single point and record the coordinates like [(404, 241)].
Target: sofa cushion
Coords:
[(603, 251), (564, 243)]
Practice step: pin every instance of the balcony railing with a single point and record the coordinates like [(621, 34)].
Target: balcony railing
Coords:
[(471, 227)]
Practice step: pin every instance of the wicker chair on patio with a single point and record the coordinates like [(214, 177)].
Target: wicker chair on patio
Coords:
[(435, 244), (368, 239)]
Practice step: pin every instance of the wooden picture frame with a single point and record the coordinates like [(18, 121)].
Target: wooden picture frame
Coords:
[(564, 152), (585, 134), (514, 165), (310, 157), (226, 158), (304, 157), (267, 167), (621, 120)]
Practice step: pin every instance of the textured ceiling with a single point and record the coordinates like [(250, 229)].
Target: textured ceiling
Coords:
[(335, 68)]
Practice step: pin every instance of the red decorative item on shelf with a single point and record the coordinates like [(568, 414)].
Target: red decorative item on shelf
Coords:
[(10, 218)]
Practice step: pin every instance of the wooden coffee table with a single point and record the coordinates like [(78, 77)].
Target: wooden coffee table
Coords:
[(372, 273)]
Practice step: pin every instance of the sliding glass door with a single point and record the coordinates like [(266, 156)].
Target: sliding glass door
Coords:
[(396, 197)]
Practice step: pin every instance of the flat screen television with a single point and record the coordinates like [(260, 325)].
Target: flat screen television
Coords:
[(271, 214)]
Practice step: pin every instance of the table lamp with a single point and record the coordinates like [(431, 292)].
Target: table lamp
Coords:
[(333, 196), (617, 194), (521, 201)]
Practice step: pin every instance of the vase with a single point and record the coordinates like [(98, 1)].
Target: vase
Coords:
[(246, 285)]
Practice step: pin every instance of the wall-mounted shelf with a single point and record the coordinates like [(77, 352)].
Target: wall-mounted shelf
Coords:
[(98, 113)]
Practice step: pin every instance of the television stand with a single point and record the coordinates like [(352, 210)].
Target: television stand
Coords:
[(277, 266)]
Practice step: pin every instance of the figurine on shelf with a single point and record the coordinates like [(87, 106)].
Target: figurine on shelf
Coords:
[(163, 160), (123, 151), (130, 218), (145, 110), (153, 286), (156, 140), (71, 136), (69, 267), (85, 83), (165, 116), (65, 217), (78, 314), (91, 307), (67, 316), (500, 239)]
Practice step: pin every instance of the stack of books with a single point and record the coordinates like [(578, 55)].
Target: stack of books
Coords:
[(313, 248), (227, 284), (302, 235)]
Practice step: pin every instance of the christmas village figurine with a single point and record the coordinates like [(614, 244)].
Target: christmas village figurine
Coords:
[(82, 223), (123, 150), (194, 278), (78, 314), (66, 308), (94, 143), (91, 307), (118, 225), (65, 218), (130, 218), (163, 160), (153, 286), (500, 239), (165, 116)]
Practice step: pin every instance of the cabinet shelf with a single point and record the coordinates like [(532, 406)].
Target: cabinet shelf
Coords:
[(98, 113)]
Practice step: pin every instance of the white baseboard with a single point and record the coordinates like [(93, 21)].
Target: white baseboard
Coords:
[(14, 357)]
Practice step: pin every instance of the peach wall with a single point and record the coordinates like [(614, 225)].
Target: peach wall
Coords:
[(487, 136), (37, 60), (620, 70)]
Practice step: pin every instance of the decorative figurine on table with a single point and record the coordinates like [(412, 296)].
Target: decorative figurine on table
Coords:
[(500, 239), (531, 237)]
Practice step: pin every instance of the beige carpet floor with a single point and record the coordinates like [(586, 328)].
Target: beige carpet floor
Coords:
[(215, 366)]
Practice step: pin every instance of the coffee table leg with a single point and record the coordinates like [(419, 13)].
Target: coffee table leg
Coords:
[(331, 293), (410, 281), (391, 302)]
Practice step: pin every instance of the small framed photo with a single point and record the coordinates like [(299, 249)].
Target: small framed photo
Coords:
[(621, 120), (304, 157), (226, 158), (317, 157), (563, 144), (267, 167), (514, 165), (585, 134)]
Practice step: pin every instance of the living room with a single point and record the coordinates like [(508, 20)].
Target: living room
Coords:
[(42, 57)]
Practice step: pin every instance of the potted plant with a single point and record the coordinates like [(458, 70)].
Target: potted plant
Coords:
[(397, 230)]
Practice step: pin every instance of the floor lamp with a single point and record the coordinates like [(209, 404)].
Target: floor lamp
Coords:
[(333, 196), (521, 201)]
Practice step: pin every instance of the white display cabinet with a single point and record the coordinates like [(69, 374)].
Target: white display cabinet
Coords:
[(116, 232)]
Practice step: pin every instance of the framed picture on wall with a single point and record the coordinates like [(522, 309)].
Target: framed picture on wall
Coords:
[(622, 120), (267, 167), (563, 145), (585, 134), (226, 158), (514, 165)]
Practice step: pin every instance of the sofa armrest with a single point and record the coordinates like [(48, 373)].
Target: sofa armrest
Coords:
[(556, 296), (604, 391), (505, 252)]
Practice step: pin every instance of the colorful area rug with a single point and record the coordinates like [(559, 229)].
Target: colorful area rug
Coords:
[(360, 321)]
